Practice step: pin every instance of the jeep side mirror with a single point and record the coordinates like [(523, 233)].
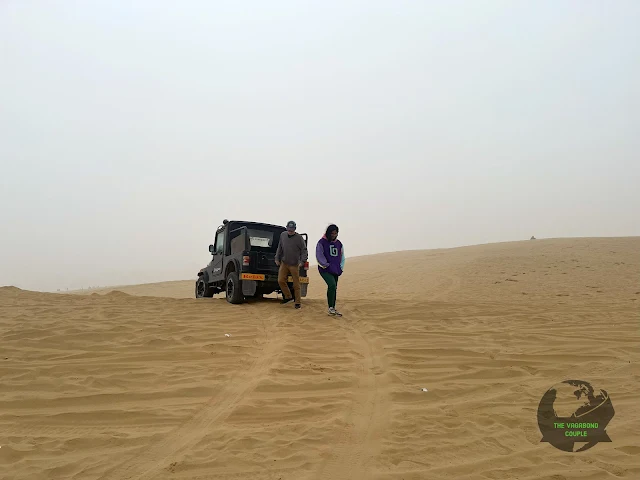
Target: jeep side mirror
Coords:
[(210, 248)]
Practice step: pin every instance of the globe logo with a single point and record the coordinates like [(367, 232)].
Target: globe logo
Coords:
[(574, 412)]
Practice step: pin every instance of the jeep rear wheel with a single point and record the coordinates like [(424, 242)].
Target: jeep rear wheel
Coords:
[(234, 289)]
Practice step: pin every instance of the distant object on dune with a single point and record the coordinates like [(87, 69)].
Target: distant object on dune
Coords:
[(532, 237)]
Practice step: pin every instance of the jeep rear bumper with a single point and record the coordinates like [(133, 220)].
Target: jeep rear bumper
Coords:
[(261, 277), (251, 285)]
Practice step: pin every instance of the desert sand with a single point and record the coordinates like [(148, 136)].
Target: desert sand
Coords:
[(141, 382)]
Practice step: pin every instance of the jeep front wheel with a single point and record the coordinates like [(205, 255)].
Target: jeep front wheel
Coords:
[(203, 290), (234, 289)]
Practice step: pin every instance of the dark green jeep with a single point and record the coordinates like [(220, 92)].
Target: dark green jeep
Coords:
[(243, 262)]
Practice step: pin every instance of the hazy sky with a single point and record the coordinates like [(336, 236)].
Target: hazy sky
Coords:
[(130, 130)]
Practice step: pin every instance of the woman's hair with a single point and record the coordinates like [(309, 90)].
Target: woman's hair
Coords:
[(330, 229)]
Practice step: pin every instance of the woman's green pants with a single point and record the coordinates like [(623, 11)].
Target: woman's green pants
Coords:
[(331, 280)]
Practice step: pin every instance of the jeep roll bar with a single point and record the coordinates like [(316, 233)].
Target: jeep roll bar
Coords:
[(247, 244)]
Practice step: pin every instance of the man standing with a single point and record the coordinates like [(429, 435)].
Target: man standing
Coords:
[(290, 256)]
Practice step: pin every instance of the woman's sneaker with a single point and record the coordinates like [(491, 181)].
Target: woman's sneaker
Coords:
[(334, 312)]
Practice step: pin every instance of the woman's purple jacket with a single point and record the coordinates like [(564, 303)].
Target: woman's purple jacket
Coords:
[(330, 256)]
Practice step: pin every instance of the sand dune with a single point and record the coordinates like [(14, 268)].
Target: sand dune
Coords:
[(140, 382)]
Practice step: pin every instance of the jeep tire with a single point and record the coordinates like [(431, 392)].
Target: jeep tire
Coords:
[(234, 289), (203, 289)]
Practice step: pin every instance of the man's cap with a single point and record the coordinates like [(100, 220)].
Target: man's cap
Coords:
[(291, 224)]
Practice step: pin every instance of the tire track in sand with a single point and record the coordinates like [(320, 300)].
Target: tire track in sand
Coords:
[(148, 463), (359, 441)]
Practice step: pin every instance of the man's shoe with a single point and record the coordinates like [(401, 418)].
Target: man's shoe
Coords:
[(333, 312), (286, 300), (298, 305)]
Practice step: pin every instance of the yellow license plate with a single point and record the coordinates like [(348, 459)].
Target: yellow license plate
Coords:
[(251, 276), (302, 279)]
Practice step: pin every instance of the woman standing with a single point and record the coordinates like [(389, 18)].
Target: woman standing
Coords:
[(330, 257)]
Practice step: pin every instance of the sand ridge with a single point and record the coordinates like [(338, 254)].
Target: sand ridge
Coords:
[(127, 385)]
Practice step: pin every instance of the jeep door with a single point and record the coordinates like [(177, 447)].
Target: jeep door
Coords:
[(215, 268)]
